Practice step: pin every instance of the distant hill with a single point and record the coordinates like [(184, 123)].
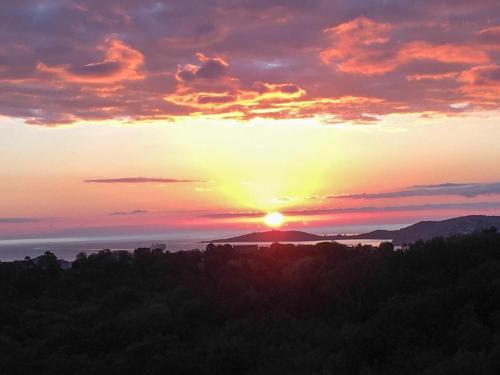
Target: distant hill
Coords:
[(273, 236), (422, 230), (428, 229)]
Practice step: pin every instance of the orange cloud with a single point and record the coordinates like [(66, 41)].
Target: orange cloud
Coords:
[(356, 46), (481, 85), (446, 53), (227, 96), (413, 59), (364, 46), (209, 89), (121, 62)]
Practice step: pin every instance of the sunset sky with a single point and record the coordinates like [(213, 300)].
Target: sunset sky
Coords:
[(123, 117)]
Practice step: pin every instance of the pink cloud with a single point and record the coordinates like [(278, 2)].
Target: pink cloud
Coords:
[(360, 46), (481, 85), (334, 60), (121, 62), (446, 53), (366, 47), (139, 180), (209, 88)]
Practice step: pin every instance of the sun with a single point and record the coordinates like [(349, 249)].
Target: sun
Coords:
[(274, 219)]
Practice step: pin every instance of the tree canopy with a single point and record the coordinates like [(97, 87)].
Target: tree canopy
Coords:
[(433, 308)]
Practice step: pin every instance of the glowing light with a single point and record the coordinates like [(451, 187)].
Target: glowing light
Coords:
[(274, 219)]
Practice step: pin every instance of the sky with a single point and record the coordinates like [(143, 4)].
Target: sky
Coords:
[(124, 117)]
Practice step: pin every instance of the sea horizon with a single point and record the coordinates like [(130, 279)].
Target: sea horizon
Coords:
[(68, 247)]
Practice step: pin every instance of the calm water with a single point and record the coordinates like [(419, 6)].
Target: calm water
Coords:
[(68, 248)]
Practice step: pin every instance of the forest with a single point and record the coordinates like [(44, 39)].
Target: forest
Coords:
[(432, 308)]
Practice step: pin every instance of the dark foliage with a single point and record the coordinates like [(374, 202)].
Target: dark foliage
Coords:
[(325, 309)]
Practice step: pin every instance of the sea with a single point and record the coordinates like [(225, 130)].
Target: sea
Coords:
[(68, 247)]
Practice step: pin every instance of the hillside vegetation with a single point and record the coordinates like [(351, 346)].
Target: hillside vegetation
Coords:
[(322, 309)]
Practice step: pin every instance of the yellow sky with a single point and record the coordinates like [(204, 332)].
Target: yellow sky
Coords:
[(261, 165)]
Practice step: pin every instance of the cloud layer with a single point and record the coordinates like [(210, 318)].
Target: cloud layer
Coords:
[(465, 190), (474, 206), (138, 180), (69, 60), (19, 220), (127, 213)]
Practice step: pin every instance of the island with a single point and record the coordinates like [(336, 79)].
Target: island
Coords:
[(422, 230)]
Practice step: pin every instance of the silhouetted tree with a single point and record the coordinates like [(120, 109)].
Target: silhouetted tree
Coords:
[(286, 309)]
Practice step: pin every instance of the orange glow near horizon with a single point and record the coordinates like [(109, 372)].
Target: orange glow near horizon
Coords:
[(255, 167)]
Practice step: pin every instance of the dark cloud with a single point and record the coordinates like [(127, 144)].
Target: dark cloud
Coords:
[(126, 213), (212, 68), (469, 190), (228, 215), (209, 68), (19, 220), (414, 207), (138, 180), (66, 61)]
